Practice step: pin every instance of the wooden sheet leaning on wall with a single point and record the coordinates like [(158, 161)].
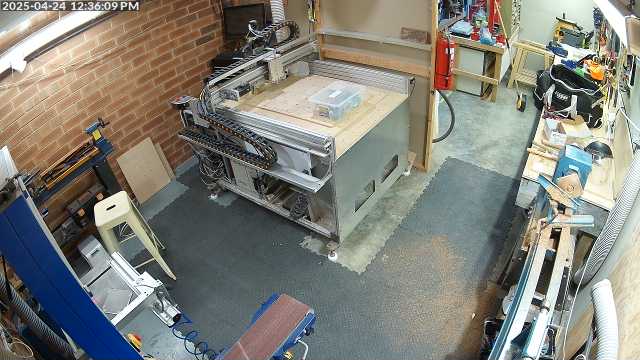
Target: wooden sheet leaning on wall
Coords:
[(385, 19)]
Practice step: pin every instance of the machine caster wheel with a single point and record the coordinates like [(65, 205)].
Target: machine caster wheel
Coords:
[(332, 247), (521, 103), (216, 191)]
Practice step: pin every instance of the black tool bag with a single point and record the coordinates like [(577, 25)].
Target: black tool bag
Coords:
[(569, 94)]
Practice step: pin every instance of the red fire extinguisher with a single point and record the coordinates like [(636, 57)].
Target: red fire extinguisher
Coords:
[(445, 62)]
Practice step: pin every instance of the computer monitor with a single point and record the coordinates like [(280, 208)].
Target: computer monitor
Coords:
[(236, 19)]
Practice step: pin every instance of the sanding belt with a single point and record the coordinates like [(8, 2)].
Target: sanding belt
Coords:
[(270, 331)]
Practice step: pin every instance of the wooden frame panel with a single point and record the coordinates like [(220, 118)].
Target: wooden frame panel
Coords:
[(387, 61)]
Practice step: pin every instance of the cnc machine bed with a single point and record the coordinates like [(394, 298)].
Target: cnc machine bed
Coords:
[(288, 102)]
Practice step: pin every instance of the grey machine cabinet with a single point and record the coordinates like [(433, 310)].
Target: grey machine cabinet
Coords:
[(343, 168)]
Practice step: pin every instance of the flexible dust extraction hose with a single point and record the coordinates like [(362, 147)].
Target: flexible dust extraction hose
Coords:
[(604, 313), (8, 355), (612, 227), (277, 16), (31, 319), (453, 119)]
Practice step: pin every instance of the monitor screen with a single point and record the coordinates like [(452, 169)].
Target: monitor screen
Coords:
[(236, 19)]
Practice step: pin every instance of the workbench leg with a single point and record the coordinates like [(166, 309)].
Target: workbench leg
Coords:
[(496, 74), (515, 68)]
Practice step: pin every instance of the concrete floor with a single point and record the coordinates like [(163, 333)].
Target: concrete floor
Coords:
[(493, 136), (490, 136)]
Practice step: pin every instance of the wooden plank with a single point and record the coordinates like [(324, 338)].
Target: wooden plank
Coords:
[(375, 38), (478, 77), (372, 58), (381, 17), (477, 45), (432, 105), (318, 25), (496, 73), (143, 170)]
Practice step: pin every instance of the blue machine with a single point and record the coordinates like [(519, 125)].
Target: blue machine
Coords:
[(574, 160), (29, 247), (91, 155), (295, 331), (305, 328), (31, 250)]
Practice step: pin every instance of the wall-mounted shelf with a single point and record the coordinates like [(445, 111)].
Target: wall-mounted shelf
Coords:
[(373, 58), (375, 38)]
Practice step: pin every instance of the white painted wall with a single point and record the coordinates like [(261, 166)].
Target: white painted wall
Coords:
[(538, 19)]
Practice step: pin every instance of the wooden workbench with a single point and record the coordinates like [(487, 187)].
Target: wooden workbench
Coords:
[(599, 188), (288, 102), (494, 78), (604, 182)]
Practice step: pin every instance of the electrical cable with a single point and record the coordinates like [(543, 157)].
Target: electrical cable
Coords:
[(300, 207), (210, 165), (413, 86), (306, 349), (453, 119), (201, 350), (623, 111)]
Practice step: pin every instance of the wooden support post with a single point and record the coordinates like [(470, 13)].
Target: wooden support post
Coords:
[(318, 26), (432, 105)]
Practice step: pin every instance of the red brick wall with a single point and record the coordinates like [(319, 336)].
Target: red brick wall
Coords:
[(125, 70)]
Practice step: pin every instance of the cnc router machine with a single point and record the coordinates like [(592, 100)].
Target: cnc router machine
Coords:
[(258, 133)]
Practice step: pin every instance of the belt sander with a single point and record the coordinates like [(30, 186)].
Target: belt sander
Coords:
[(276, 327)]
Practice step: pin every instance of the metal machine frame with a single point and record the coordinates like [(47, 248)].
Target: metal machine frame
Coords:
[(335, 185)]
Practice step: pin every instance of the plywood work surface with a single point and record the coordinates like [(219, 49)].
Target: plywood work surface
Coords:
[(599, 188), (289, 102)]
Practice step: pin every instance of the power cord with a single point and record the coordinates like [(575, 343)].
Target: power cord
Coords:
[(201, 350), (453, 119), (306, 349), (211, 166)]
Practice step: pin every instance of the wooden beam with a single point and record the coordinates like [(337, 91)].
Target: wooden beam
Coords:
[(375, 38), (477, 45), (431, 103), (478, 77), (373, 58), (318, 25)]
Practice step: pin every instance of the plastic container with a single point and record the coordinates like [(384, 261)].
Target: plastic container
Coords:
[(335, 100)]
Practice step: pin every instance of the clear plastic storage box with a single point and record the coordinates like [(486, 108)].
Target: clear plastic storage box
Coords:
[(335, 100)]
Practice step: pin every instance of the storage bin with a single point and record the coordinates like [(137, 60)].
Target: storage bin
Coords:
[(335, 100)]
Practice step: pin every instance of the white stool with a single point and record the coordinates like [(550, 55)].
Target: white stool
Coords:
[(118, 209)]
